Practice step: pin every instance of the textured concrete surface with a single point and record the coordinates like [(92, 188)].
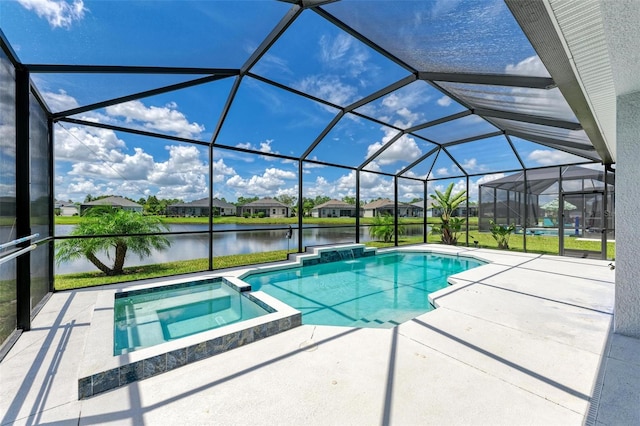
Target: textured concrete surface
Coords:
[(525, 340), (628, 216)]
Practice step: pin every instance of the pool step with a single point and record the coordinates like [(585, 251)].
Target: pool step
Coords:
[(368, 322)]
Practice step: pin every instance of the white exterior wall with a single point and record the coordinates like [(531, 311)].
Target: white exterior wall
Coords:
[(227, 211), (627, 298), (68, 210)]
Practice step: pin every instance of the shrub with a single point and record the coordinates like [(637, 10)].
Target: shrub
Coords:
[(501, 234)]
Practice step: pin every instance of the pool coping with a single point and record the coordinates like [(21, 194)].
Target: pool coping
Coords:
[(101, 371)]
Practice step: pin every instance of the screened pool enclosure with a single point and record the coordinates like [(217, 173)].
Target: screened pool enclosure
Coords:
[(572, 201), (289, 102)]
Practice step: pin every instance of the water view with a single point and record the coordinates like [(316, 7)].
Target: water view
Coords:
[(262, 238)]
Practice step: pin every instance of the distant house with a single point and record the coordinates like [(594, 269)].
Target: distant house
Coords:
[(66, 208), (115, 202), (201, 208), (268, 206), (387, 207), (428, 209), (460, 211), (334, 208)]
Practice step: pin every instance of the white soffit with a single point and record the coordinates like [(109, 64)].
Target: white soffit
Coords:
[(569, 37), (582, 26)]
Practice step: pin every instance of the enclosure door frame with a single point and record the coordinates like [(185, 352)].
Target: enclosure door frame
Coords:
[(595, 222)]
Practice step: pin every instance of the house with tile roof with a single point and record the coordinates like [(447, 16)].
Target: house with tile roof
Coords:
[(197, 208), (113, 201), (334, 208), (267, 206), (387, 207)]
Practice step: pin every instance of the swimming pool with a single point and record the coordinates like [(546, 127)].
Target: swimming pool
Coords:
[(149, 317), (379, 291)]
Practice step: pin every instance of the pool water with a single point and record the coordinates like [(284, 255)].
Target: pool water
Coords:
[(379, 291), (149, 317)]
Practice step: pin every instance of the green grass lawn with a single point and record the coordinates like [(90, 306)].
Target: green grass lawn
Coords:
[(89, 279)]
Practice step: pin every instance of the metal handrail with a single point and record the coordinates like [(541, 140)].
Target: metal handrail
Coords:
[(18, 241), (17, 253)]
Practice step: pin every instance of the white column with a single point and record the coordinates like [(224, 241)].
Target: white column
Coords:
[(627, 298)]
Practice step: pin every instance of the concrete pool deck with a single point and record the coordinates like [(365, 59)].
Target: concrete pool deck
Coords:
[(524, 340)]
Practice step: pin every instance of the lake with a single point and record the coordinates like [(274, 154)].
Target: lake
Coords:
[(245, 239)]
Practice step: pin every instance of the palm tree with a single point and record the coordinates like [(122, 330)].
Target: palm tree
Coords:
[(449, 225), (104, 223), (383, 228)]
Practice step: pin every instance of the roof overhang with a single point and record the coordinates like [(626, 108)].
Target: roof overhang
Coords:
[(570, 39)]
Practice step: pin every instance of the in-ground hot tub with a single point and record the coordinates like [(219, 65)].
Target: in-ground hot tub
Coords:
[(152, 316), (183, 326)]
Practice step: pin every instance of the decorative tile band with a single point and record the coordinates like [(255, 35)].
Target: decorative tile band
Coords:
[(140, 370)]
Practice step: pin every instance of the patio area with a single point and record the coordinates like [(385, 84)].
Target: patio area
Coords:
[(524, 340)]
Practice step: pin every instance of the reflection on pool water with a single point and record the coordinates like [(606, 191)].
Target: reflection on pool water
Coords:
[(379, 291)]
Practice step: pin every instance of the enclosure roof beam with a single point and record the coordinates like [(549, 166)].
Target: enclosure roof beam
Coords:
[(418, 161), (490, 79), (439, 121), (123, 69), (380, 93), (135, 96), (473, 138), (528, 118), (273, 36), (128, 130), (380, 151)]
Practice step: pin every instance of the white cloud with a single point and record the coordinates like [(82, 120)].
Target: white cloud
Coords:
[(343, 52), (58, 13), (444, 101), (442, 171), (221, 171), (409, 189), (328, 87), (471, 165), (82, 188), (77, 144), (265, 146), (549, 103), (408, 117), (531, 66), (546, 157), (163, 119), (335, 49), (184, 167), (370, 185), (100, 165), (60, 101), (404, 149), (402, 105), (267, 184)]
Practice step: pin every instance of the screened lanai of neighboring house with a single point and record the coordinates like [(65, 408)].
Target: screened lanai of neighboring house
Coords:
[(505, 200), (298, 99)]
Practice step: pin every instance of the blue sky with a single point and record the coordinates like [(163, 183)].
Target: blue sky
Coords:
[(313, 56)]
